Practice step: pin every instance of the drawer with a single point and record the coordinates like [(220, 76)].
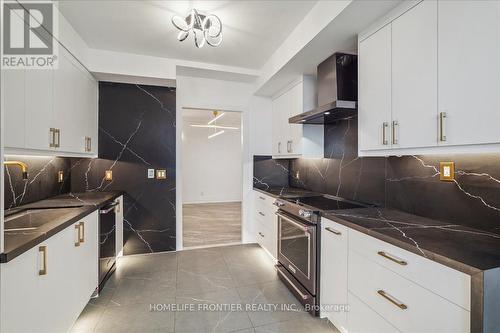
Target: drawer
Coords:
[(261, 198), (335, 227), (406, 305), (444, 281), (362, 319), (266, 237)]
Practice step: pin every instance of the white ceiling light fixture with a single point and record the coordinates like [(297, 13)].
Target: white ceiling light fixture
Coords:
[(216, 126), (205, 27), (215, 134)]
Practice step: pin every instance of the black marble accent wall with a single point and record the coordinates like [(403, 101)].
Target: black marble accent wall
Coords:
[(136, 133), (268, 173), (42, 179), (408, 183)]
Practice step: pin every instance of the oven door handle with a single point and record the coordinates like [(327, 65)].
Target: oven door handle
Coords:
[(298, 225), (302, 295)]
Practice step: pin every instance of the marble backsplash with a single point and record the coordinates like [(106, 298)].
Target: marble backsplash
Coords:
[(136, 132), (43, 181), (408, 183)]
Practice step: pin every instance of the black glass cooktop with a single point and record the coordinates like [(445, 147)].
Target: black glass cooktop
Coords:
[(325, 203)]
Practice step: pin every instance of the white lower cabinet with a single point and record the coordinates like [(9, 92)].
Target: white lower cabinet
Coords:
[(333, 288), (265, 224), (46, 288), (388, 289), (362, 319)]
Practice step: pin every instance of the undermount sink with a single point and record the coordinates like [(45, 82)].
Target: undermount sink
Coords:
[(32, 219)]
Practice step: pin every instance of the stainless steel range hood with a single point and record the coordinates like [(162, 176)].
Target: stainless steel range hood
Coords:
[(337, 91)]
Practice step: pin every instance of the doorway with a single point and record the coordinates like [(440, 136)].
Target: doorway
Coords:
[(212, 168)]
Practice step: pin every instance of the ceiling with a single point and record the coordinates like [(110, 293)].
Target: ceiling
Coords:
[(198, 116), (252, 30)]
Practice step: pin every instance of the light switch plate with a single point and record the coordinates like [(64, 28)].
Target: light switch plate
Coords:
[(151, 173), (161, 174), (447, 171)]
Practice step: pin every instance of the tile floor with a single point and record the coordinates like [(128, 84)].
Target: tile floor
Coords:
[(211, 224), (221, 276)]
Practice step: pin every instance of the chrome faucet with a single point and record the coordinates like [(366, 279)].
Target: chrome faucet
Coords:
[(22, 165)]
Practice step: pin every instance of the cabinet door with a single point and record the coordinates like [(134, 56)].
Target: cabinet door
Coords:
[(414, 77), (469, 71), (38, 108), (13, 92), (334, 249), (375, 90), (279, 147), (69, 100), (41, 298), (295, 98)]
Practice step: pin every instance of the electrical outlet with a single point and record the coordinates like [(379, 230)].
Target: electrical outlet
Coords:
[(151, 173), (108, 175), (447, 171)]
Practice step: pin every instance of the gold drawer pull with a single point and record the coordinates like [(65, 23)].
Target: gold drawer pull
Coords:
[(77, 230), (261, 234), (262, 198), (262, 214), (391, 299), (43, 252), (391, 258), (333, 231), (81, 226)]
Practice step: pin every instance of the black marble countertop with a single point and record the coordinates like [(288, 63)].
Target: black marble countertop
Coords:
[(69, 209), (465, 249), (462, 248), (285, 192)]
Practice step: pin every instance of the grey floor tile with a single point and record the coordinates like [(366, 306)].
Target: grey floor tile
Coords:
[(219, 311), (88, 319), (104, 296), (192, 283), (271, 302), (305, 325), (138, 265), (135, 318), (141, 290)]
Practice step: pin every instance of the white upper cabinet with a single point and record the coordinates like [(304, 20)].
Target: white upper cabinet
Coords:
[(439, 62), (374, 110), (39, 105), (469, 71), (295, 140), (414, 77), (50, 111), (13, 81)]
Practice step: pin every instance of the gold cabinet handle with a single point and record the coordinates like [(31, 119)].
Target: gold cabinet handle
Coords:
[(442, 128), (56, 133), (261, 234), (333, 231), (385, 125), (262, 214), (279, 147), (77, 233), (391, 299), (395, 124), (90, 144), (262, 198), (392, 258), (42, 250), (81, 238), (52, 138)]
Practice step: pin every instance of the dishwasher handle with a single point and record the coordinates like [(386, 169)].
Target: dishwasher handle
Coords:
[(108, 208)]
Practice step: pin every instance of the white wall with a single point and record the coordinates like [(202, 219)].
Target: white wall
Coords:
[(206, 93), (211, 168)]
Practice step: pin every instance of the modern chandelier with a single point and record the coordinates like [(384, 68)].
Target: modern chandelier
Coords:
[(205, 28)]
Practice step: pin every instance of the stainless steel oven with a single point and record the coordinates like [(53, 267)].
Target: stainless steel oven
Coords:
[(297, 242)]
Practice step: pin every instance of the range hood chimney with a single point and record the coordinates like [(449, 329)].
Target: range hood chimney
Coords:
[(337, 91)]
